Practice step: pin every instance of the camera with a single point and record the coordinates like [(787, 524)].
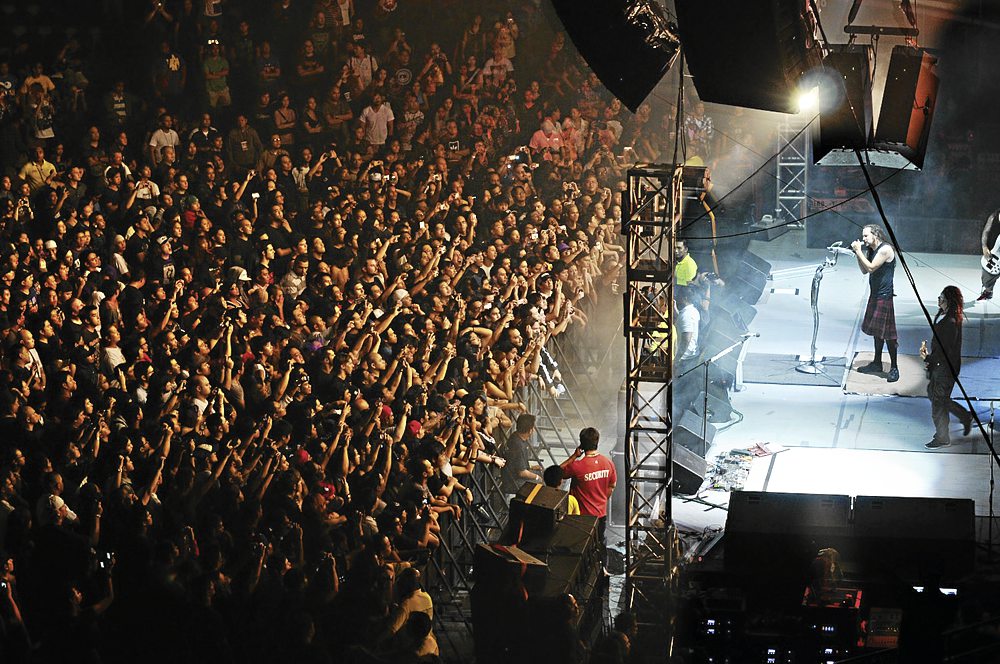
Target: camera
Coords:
[(376, 177), (453, 145), (106, 560), (255, 195)]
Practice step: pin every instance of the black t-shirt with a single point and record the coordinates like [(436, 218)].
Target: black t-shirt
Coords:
[(241, 252), (136, 245), (517, 452), (130, 303)]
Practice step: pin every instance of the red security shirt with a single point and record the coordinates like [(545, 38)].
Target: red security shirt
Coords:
[(593, 477)]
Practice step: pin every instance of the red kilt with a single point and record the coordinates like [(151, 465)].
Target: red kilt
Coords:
[(880, 318)]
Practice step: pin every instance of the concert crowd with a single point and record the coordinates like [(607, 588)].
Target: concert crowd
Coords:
[(270, 291)]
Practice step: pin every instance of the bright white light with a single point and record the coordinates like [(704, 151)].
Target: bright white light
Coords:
[(809, 100)]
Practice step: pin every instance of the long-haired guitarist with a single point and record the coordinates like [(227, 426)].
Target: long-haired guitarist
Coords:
[(991, 255), (944, 362)]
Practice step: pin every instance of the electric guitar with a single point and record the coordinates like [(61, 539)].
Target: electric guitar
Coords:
[(992, 263)]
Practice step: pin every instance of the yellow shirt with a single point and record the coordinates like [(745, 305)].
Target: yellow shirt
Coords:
[(685, 270), (574, 506), (36, 174)]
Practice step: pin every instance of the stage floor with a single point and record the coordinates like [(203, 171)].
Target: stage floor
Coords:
[(855, 444)]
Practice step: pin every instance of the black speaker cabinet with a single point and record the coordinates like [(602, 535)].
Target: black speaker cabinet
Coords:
[(629, 45), (776, 531), (904, 121), (719, 407), (916, 536), (497, 565), (845, 102), (746, 278), (725, 303), (687, 433), (749, 54), (688, 470)]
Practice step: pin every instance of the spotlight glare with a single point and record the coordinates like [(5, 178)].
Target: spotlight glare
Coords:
[(809, 100)]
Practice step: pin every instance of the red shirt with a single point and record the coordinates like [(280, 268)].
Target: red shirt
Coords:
[(593, 477)]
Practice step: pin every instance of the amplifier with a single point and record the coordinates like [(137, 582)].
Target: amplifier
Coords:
[(535, 510)]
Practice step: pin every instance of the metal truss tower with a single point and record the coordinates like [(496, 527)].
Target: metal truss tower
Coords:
[(792, 171), (655, 195)]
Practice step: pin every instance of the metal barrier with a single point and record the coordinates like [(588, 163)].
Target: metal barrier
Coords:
[(448, 574)]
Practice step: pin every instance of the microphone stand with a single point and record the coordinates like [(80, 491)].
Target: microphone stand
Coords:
[(706, 363), (704, 414), (815, 366)]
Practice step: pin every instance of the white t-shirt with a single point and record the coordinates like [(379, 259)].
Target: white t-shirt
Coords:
[(688, 320), (161, 139), (498, 69), (377, 123)]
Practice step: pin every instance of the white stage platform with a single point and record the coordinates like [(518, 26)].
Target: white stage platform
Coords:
[(876, 473), (853, 444)]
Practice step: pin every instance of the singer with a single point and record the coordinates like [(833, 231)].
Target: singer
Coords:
[(877, 259), (943, 365)]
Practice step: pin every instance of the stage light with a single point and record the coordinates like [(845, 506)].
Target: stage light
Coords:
[(808, 100)]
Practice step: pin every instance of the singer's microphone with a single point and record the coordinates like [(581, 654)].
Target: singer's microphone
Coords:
[(751, 334)]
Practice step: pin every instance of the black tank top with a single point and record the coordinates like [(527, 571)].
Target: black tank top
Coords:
[(881, 279)]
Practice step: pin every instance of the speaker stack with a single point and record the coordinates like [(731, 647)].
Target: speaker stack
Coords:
[(845, 99), (749, 54), (542, 555), (780, 533), (630, 45), (911, 86)]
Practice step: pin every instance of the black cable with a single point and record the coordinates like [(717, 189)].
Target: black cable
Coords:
[(811, 214), (913, 284), (718, 202)]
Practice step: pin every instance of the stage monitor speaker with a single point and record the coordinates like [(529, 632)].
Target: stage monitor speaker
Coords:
[(719, 407), (769, 45), (687, 433), (778, 531), (730, 305), (916, 535), (904, 121), (747, 277), (845, 102), (723, 370), (629, 44), (688, 470)]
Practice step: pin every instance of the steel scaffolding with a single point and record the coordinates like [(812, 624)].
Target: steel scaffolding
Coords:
[(792, 172), (655, 207)]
